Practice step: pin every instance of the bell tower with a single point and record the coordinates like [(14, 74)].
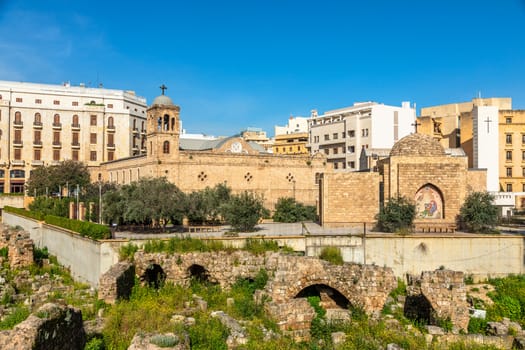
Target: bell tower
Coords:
[(163, 128)]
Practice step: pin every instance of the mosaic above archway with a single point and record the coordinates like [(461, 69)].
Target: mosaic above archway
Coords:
[(429, 204)]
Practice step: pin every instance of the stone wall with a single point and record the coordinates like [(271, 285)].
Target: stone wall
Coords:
[(293, 317), (446, 293), (52, 327), (117, 282), (348, 198), (19, 246)]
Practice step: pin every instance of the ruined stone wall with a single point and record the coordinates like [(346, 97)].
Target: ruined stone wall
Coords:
[(117, 282), (19, 246), (446, 292), (349, 198)]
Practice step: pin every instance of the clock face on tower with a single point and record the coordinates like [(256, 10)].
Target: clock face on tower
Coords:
[(236, 147)]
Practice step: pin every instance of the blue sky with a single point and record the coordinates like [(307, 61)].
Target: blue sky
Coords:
[(235, 64)]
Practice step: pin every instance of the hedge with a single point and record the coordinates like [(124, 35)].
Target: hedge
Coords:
[(84, 228), (20, 211)]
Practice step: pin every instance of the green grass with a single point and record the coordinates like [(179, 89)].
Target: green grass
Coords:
[(19, 314)]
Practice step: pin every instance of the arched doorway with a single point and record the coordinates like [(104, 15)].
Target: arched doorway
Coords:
[(154, 276), (198, 272), (330, 298), (418, 308), (429, 203)]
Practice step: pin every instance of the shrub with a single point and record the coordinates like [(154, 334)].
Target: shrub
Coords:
[(4, 252), (288, 210), (477, 326), (20, 211), (259, 246), (95, 344), (243, 211), (478, 214), (164, 340), (127, 251), (397, 215), (88, 229), (332, 255)]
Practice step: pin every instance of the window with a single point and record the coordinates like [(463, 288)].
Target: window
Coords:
[(18, 118), (343, 135), (93, 120), (326, 151), (93, 138), (336, 165), (523, 138), (74, 103), (75, 120), (111, 155), (56, 137), (351, 164), (508, 120), (351, 133), (142, 127), (110, 122), (508, 138), (522, 187), (56, 119), (522, 155), (17, 174), (75, 138), (134, 124), (18, 154), (326, 137), (351, 149), (364, 132), (93, 155), (56, 102), (166, 147), (111, 140), (509, 172), (335, 135), (19, 99), (38, 101), (509, 187), (74, 155), (56, 155), (110, 105), (36, 154), (508, 155), (18, 136), (523, 172), (336, 150), (38, 119), (37, 135)]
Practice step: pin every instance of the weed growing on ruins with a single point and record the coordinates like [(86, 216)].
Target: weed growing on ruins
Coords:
[(19, 314), (127, 251), (332, 255), (182, 245), (4, 252)]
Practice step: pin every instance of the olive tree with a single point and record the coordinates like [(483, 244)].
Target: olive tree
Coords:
[(478, 213)]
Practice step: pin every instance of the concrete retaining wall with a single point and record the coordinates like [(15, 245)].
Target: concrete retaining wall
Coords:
[(87, 259)]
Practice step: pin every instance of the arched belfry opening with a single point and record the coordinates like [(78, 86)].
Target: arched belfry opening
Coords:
[(330, 297), (154, 276), (198, 272), (429, 202)]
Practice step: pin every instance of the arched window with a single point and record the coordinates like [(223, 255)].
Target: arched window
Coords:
[(166, 125), (38, 118), (166, 147), (18, 117), (56, 119), (172, 124), (110, 122), (429, 203), (142, 127), (75, 120)]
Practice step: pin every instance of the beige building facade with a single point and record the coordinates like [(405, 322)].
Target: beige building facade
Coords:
[(44, 124), (196, 164)]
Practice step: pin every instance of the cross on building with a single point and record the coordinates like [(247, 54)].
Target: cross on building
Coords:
[(163, 87), (488, 121), (415, 125)]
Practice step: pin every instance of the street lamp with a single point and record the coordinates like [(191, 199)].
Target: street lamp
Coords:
[(100, 202)]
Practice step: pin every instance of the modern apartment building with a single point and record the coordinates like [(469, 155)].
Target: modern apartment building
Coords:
[(343, 133), (44, 124), (292, 138)]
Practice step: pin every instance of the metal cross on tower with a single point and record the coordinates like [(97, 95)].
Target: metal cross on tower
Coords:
[(416, 124), (163, 87), (488, 121)]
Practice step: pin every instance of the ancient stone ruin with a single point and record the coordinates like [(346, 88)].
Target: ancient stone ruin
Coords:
[(436, 296), (19, 246)]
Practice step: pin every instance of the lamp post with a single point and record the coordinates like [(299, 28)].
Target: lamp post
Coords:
[(100, 202), (78, 204)]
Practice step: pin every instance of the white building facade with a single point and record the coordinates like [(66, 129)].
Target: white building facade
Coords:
[(43, 124), (295, 125), (341, 134)]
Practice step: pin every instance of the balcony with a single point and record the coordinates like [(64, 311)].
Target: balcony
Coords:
[(57, 126), (55, 162), (111, 128), (37, 125), (135, 131), (143, 150), (57, 144), (75, 127), (37, 162), (143, 132), (18, 143), (18, 124), (75, 145), (110, 146), (17, 162), (37, 143)]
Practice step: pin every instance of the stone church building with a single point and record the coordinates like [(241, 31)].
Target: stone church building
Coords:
[(418, 168), (196, 164)]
